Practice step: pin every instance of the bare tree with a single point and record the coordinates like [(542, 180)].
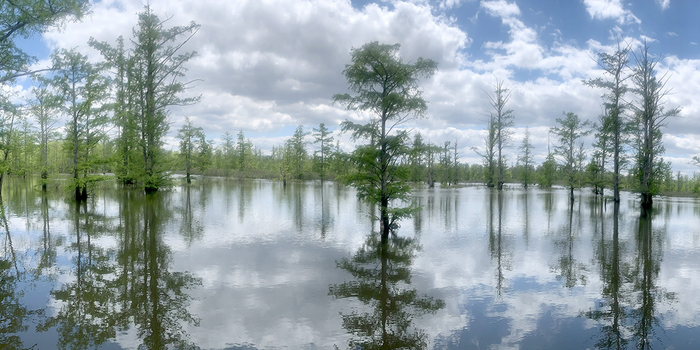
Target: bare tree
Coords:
[(502, 119)]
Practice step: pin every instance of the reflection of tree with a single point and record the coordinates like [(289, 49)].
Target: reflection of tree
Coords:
[(646, 271), (191, 228), (129, 287), (611, 311), (48, 252), (568, 268), (382, 280), (497, 244), (12, 312), (630, 294), (158, 306), (85, 317)]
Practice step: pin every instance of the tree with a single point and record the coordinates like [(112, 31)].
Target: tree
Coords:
[(602, 148), (446, 163), (502, 120), (43, 107), (418, 151), (83, 90), (8, 114), (547, 171), (125, 108), (243, 150), (569, 132), (650, 117), (192, 144), (526, 160), (322, 136), (158, 68), (24, 18), (489, 153), (614, 65), (228, 152), (389, 89)]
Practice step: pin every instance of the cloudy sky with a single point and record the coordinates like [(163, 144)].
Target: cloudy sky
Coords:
[(269, 65)]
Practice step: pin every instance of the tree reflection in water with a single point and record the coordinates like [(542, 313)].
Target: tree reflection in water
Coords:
[(382, 272), (627, 311), (132, 289), (13, 313)]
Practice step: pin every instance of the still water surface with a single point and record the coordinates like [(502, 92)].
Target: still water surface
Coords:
[(232, 264)]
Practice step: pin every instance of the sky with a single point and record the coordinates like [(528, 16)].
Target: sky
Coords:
[(266, 66)]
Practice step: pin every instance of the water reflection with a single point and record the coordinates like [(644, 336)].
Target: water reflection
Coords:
[(13, 313), (382, 272), (627, 309), (125, 285)]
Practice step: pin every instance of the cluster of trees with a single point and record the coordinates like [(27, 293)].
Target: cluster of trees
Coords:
[(117, 113), (130, 92)]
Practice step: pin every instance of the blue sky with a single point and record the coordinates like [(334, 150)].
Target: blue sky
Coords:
[(269, 65)]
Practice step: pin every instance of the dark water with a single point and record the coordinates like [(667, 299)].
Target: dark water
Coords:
[(254, 265)]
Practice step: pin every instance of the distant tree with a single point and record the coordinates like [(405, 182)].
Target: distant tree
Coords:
[(569, 132), (455, 166), (298, 155), (192, 143), (650, 118), (489, 153), (24, 18), (243, 150), (229, 152), (547, 172), (8, 115), (526, 159), (446, 162), (502, 119), (389, 90), (43, 108), (614, 65), (322, 137), (416, 158)]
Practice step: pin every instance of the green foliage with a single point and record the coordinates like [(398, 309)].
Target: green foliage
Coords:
[(570, 149), (24, 18), (322, 137), (389, 90)]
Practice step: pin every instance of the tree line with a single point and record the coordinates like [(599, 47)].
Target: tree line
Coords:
[(118, 117)]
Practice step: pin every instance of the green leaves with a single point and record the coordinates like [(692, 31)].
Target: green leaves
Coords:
[(388, 89)]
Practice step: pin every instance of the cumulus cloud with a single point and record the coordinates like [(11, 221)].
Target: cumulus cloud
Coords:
[(610, 9), (267, 66)]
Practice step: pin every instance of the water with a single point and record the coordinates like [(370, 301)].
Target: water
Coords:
[(229, 264)]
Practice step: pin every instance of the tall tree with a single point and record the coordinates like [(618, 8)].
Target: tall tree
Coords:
[(389, 89), (83, 90), (124, 108), (43, 107), (159, 68), (8, 115), (502, 119), (526, 159), (489, 153), (602, 147), (650, 117), (322, 137), (569, 132), (614, 66), (24, 18), (243, 150)]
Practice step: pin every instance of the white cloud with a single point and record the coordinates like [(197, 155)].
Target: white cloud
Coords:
[(610, 9), (664, 4)]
